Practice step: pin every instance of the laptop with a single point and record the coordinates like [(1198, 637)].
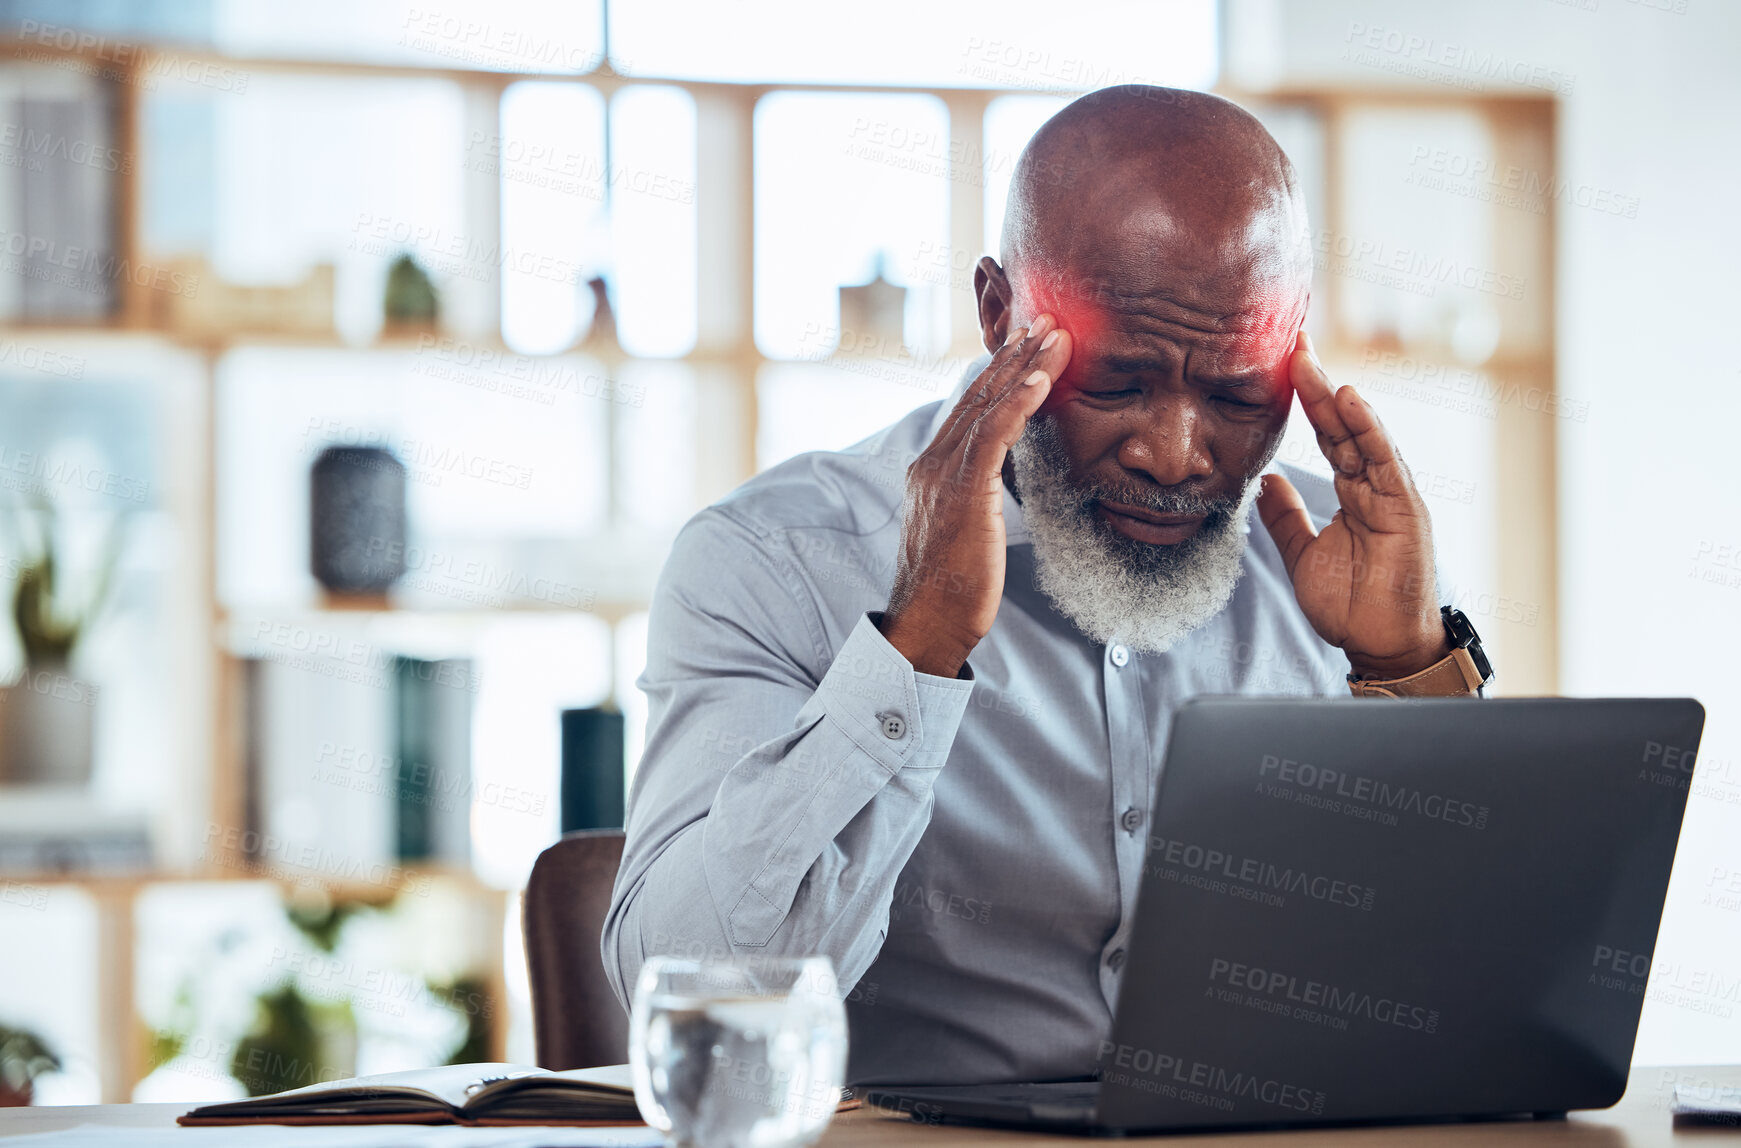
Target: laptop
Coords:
[(1380, 911)]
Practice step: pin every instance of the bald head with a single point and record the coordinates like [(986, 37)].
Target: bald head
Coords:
[(1160, 178)]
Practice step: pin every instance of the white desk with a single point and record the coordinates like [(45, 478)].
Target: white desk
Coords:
[(20, 1121), (1641, 1119), (153, 1126)]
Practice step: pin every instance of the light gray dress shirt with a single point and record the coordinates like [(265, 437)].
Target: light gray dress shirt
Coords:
[(967, 851)]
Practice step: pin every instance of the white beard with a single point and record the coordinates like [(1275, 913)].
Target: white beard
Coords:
[(1147, 595)]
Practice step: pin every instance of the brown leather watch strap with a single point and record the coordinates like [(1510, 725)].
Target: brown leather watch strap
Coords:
[(1452, 676)]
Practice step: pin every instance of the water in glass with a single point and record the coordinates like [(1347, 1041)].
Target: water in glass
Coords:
[(748, 1055)]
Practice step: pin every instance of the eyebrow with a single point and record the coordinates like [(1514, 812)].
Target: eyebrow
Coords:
[(1134, 365), (1143, 365)]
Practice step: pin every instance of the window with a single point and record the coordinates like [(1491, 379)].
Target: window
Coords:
[(1021, 44), (652, 205), (844, 185), (656, 445), (554, 229), (298, 171), (531, 669), (490, 35), (1010, 122)]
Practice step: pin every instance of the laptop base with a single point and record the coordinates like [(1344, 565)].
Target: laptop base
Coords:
[(1066, 1106), (1069, 1107)]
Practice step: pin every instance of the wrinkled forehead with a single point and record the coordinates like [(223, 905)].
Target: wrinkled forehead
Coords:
[(1230, 309), (1156, 276)]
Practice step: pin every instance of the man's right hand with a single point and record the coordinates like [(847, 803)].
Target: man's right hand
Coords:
[(950, 571)]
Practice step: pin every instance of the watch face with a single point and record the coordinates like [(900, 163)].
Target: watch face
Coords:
[(1457, 626), (1482, 665), (1462, 634)]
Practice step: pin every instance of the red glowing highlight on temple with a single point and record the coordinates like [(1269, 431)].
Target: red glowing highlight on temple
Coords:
[(1263, 333), (1071, 302)]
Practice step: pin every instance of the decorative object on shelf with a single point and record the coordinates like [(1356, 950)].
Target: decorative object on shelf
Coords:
[(411, 305), (67, 829), (46, 717), (195, 302), (24, 1056), (602, 335), (357, 519), (592, 769), (432, 786), (873, 315), (60, 175)]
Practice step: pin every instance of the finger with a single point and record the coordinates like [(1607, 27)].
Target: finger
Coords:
[(993, 373), (1015, 360), (966, 445), (1318, 400), (1033, 378), (993, 377), (997, 429), (1384, 469), (1284, 515), (1053, 352)]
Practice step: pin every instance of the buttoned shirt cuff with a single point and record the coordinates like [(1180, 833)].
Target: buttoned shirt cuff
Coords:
[(895, 714)]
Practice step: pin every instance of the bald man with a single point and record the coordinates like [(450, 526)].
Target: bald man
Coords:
[(909, 699)]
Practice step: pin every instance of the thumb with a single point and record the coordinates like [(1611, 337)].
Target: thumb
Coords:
[(1284, 515)]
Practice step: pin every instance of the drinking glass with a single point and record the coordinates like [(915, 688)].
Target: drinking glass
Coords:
[(747, 1054)]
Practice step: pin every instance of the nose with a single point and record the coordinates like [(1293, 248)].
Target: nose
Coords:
[(1168, 443)]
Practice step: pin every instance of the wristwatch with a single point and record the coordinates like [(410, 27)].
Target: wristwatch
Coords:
[(1461, 672)]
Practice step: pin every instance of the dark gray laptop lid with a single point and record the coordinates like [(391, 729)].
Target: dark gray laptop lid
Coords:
[(1397, 909)]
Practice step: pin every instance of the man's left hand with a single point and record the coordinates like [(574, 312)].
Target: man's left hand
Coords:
[(1366, 582)]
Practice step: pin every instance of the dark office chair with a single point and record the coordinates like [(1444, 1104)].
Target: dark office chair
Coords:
[(576, 1020)]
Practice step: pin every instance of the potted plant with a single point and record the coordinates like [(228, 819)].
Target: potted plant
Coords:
[(24, 1056), (411, 305), (46, 716)]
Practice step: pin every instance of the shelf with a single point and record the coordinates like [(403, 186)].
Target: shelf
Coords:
[(342, 888), (290, 611), (227, 340), (460, 616)]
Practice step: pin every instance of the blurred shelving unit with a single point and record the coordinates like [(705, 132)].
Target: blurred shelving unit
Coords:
[(1339, 139)]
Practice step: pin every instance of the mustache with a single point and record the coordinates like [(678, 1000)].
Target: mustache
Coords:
[(1041, 449), (1162, 500)]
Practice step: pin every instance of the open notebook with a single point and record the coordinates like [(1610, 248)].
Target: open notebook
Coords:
[(477, 1094)]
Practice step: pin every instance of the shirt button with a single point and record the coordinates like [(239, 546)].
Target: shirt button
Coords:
[(1115, 960), (1120, 656), (894, 727), (1132, 819)]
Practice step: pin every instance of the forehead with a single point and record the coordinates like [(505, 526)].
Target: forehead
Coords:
[(1150, 277), (1221, 320), (1149, 283)]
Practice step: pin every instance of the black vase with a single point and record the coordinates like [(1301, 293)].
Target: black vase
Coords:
[(357, 517), (592, 769)]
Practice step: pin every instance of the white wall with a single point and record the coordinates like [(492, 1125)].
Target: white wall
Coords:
[(1650, 559)]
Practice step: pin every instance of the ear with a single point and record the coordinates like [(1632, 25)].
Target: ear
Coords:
[(991, 287)]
